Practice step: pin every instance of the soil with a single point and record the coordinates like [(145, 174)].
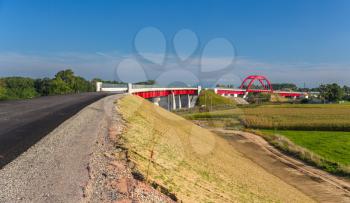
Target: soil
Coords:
[(315, 183)]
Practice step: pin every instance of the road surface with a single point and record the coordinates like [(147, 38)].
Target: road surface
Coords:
[(23, 123)]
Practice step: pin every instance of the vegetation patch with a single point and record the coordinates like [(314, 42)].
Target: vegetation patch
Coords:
[(323, 117), (315, 133), (209, 100), (193, 164), (327, 150), (64, 82)]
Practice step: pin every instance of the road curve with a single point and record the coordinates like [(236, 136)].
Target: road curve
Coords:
[(24, 122)]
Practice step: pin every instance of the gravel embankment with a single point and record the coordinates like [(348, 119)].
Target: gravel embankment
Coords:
[(55, 169), (25, 122), (79, 161)]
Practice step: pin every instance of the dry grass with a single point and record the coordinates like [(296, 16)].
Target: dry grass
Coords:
[(277, 98), (298, 117), (193, 163)]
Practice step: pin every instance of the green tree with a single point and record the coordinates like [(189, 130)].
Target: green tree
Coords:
[(148, 82), (346, 90), (81, 85), (3, 95), (19, 88), (59, 86), (284, 86), (42, 86), (331, 92), (66, 75), (76, 83)]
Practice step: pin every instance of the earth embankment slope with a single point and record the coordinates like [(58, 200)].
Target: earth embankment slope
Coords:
[(192, 163)]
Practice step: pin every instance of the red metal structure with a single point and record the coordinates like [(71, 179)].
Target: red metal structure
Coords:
[(249, 81), (230, 92), (164, 93)]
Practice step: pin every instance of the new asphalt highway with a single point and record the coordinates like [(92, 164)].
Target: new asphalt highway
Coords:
[(25, 122)]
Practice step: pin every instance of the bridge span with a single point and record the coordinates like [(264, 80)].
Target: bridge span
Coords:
[(168, 97), (186, 97)]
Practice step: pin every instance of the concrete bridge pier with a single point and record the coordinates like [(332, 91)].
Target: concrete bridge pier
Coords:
[(188, 101), (178, 101), (245, 95), (173, 101), (156, 100), (180, 105)]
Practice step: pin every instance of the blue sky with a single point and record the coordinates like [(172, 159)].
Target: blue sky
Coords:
[(289, 41)]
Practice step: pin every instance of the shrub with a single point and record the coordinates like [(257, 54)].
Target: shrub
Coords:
[(210, 100), (19, 88)]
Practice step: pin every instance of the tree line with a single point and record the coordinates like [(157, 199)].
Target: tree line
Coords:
[(64, 82), (333, 92)]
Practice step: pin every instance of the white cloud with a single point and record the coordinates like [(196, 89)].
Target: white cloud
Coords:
[(104, 65)]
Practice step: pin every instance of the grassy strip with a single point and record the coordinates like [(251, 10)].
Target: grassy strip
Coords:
[(227, 113), (282, 143)]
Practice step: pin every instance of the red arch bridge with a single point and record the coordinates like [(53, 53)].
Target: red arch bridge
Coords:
[(257, 84), (179, 97)]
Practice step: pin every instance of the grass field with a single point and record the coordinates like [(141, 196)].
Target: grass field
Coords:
[(193, 163), (332, 147), (316, 133)]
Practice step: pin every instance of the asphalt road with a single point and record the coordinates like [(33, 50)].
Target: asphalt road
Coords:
[(23, 123)]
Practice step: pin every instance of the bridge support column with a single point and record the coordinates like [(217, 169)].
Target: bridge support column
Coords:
[(98, 86), (245, 95), (235, 95), (129, 88), (173, 101), (188, 101), (180, 105), (199, 89), (156, 100)]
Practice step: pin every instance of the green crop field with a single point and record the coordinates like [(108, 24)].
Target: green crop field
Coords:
[(334, 146), (329, 150)]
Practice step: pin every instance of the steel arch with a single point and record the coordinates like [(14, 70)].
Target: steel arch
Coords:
[(248, 82)]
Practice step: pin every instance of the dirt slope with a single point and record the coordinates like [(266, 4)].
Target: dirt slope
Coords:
[(194, 164), (316, 183)]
